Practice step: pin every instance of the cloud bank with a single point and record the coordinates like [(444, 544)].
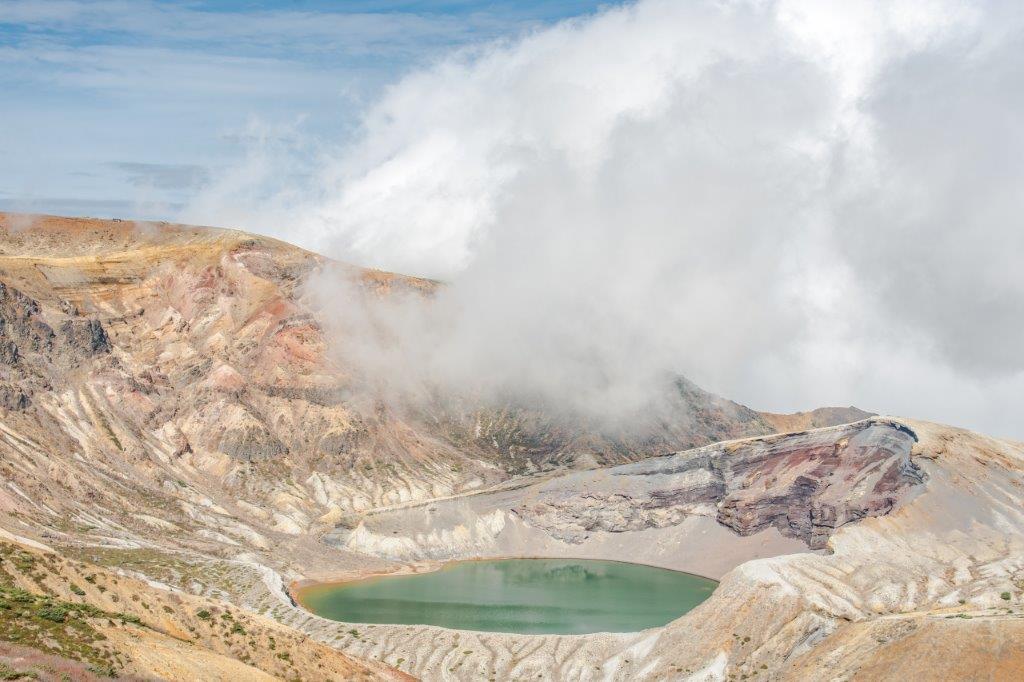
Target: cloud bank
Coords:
[(792, 203)]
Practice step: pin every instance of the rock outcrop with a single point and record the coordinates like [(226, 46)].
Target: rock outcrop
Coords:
[(799, 486), (86, 335), (805, 485)]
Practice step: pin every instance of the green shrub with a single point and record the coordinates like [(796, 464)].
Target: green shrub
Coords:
[(1005, 595), (103, 670), (21, 596), (77, 590), (58, 613), (9, 673), (203, 614)]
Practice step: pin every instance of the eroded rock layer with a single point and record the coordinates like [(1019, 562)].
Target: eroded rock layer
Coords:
[(805, 485)]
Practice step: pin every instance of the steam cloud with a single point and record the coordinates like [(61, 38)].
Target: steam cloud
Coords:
[(792, 203)]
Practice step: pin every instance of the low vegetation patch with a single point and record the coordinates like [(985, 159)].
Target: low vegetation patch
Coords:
[(58, 627), (8, 672)]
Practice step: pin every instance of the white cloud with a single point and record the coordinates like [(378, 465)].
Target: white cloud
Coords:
[(793, 203)]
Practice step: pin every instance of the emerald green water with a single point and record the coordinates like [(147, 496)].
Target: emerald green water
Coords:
[(527, 596)]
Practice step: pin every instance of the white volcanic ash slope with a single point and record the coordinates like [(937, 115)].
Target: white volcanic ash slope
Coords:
[(923, 577), (800, 487)]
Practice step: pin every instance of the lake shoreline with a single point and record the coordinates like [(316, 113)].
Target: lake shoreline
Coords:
[(300, 590), (295, 588)]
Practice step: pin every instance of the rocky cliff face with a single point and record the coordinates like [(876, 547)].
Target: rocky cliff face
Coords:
[(804, 485), (792, 491)]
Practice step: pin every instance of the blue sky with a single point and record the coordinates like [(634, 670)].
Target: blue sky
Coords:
[(126, 107)]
